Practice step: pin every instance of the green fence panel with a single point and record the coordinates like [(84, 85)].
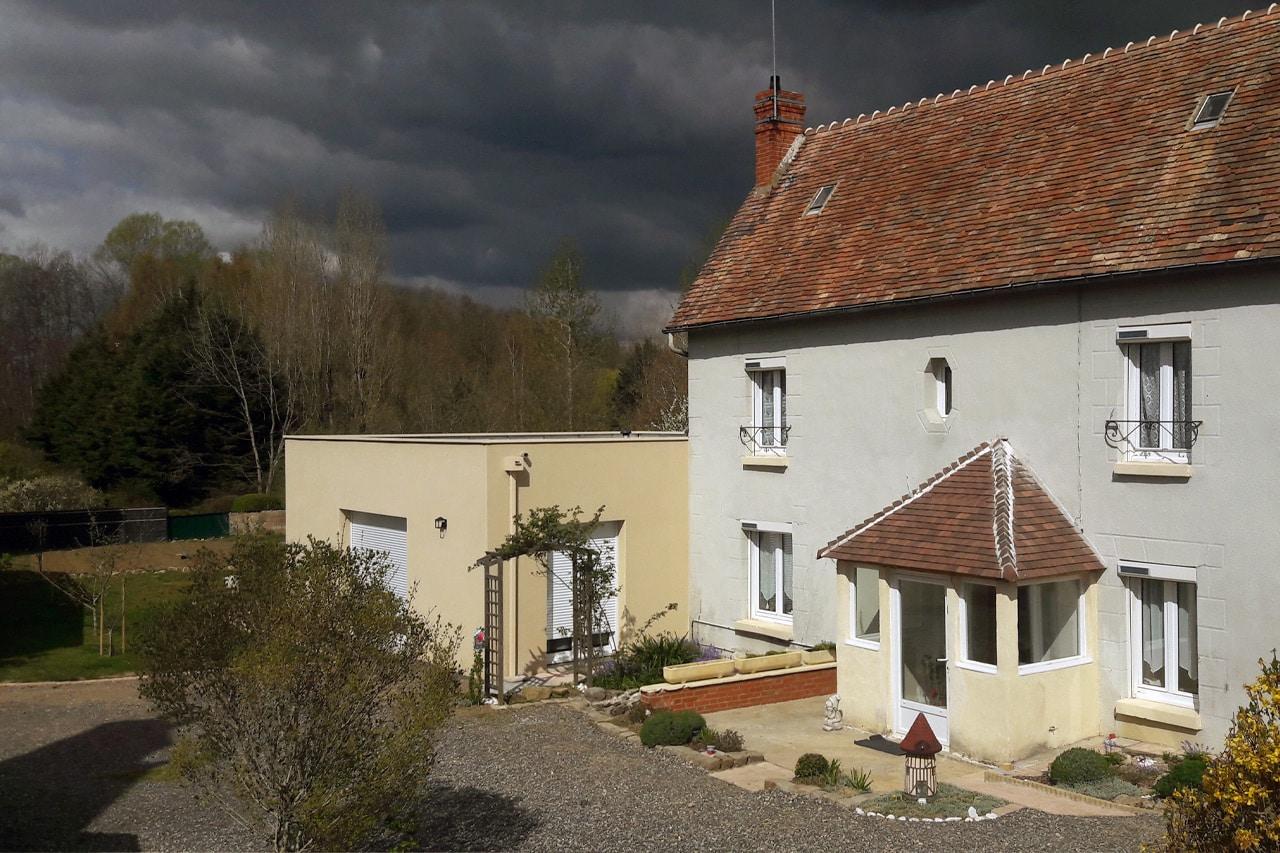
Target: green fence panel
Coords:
[(206, 526)]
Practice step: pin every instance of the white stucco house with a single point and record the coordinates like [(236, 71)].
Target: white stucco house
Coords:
[(983, 387)]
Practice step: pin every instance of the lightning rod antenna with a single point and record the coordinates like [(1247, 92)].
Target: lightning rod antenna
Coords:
[(773, 33)]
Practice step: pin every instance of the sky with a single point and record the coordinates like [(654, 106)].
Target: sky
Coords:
[(487, 131)]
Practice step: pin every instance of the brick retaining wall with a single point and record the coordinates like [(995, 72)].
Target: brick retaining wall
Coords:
[(743, 692)]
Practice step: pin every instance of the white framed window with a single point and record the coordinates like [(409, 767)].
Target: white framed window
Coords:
[(864, 608), (942, 385), (1162, 632), (770, 570), (768, 431), (1158, 425), (1051, 626), (978, 627)]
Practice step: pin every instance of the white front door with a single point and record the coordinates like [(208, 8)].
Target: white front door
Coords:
[(604, 539), (920, 665)]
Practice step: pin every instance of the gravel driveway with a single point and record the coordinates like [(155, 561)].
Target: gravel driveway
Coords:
[(542, 777), (538, 777)]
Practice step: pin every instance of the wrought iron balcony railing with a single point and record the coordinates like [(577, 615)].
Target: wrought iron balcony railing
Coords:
[(764, 441), (1149, 437)]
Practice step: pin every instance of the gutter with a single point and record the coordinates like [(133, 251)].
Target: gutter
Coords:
[(1019, 287)]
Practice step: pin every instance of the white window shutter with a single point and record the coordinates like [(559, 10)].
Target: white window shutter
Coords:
[(386, 535)]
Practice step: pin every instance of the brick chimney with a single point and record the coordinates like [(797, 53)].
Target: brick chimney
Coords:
[(779, 120)]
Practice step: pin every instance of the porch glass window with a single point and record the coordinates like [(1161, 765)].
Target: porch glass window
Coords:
[(864, 606), (1164, 620), (1049, 622), (979, 623), (771, 574)]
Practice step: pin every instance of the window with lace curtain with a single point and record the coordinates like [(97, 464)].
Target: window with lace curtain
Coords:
[(770, 571), (1165, 657), (1159, 426)]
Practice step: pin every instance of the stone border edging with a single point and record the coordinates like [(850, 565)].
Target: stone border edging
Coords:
[(988, 816), (992, 776), (103, 680)]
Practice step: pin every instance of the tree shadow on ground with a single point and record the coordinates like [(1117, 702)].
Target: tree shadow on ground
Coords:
[(469, 818), (51, 794), (35, 617)]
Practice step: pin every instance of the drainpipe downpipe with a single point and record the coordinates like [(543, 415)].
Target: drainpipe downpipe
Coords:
[(678, 343)]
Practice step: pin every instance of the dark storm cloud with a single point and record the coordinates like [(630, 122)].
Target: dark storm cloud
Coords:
[(487, 131)]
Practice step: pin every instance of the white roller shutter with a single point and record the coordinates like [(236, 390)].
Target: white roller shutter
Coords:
[(604, 541), (388, 535)]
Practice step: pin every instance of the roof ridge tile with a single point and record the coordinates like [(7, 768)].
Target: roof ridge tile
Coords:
[(1151, 40)]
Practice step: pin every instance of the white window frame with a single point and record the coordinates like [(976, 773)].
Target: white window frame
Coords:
[(853, 639), (753, 529), (1134, 572), (964, 661), (1165, 336), (942, 382), (1082, 655), (758, 369)]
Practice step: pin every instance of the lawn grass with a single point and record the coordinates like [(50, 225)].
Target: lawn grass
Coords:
[(44, 636), (950, 801)]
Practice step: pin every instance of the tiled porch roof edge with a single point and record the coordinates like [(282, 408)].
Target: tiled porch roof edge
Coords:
[(917, 493)]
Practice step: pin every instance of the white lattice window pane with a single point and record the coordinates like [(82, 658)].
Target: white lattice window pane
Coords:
[(1181, 394), (767, 581), (786, 574), (1188, 654), (1149, 394), (1153, 632)]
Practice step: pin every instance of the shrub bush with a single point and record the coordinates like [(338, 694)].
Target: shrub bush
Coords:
[(640, 661), (811, 766), (45, 494), (1238, 803), (1107, 788), (1079, 765), (1187, 773), (256, 502), (671, 728), (725, 740)]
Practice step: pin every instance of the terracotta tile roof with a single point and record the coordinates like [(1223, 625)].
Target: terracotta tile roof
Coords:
[(1081, 169), (985, 515)]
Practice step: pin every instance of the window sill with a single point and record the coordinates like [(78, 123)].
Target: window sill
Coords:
[(1050, 666), (1159, 712), (1167, 470), (870, 645), (774, 630), (777, 463), (974, 666)]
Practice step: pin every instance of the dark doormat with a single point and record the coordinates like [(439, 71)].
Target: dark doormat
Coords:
[(880, 744)]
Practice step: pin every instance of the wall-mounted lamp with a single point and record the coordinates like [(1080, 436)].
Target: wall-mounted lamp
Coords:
[(442, 524)]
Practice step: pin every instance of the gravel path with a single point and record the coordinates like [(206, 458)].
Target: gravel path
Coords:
[(538, 777), (70, 761), (542, 777)]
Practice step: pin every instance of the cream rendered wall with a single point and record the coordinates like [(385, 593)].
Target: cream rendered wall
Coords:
[(325, 476), (1044, 370), (641, 483)]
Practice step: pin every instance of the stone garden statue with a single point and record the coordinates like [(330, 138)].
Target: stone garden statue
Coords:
[(835, 717)]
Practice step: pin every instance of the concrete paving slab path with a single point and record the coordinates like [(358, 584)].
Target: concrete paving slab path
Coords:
[(784, 731)]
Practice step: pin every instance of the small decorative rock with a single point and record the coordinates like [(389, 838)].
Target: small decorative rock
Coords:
[(973, 813), (859, 810)]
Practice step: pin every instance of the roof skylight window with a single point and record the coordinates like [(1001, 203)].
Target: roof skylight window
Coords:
[(820, 200), (1211, 110)]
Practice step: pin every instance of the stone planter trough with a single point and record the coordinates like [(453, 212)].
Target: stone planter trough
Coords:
[(818, 656), (697, 671), (764, 663)]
